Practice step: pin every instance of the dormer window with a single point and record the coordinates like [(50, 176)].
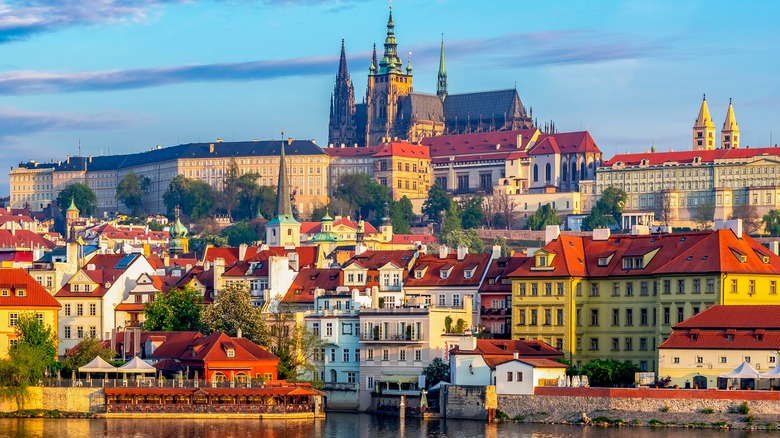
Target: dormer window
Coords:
[(418, 274), (21, 292), (633, 263), (231, 352), (445, 274), (5, 292), (541, 261)]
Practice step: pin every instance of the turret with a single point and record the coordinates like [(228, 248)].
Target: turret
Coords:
[(441, 85), (703, 129), (729, 135)]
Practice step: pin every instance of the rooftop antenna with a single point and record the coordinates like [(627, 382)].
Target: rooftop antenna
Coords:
[(79, 147)]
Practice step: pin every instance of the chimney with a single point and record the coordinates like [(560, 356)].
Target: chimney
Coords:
[(219, 271), (206, 265), (239, 333), (289, 140), (601, 234), (551, 232), (496, 252), (734, 225), (640, 230), (774, 246), (462, 251), (360, 249), (293, 261), (167, 260), (443, 251), (516, 354), (242, 252)]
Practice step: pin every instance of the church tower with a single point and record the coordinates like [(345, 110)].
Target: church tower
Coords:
[(441, 84), (387, 82), (342, 128), (729, 135), (283, 230), (704, 129)]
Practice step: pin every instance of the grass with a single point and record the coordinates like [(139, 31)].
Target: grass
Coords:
[(655, 422), (707, 411), (665, 408), (744, 408)]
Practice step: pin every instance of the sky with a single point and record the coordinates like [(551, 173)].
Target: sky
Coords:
[(122, 76)]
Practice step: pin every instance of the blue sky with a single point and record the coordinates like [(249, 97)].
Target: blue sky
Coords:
[(125, 75)]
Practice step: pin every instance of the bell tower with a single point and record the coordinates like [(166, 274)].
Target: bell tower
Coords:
[(704, 129), (729, 135)]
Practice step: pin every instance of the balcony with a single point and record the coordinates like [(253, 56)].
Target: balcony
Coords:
[(493, 313), (418, 337), (340, 386), (333, 312)]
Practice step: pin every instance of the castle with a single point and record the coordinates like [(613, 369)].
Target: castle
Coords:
[(392, 109)]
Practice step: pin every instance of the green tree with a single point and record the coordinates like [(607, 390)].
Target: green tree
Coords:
[(155, 226), (468, 238), (231, 311), (178, 310), (501, 241), (31, 332), (367, 196), (772, 222), (25, 366), (230, 189), (608, 372), (84, 198), (85, 351), (295, 345), (451, 220), (545, 215), (436, 202), (612, 202), (437, 371), (239, 233), (596, 219), (703, 215), (401, 214), (131, 191), (194, 197), (472, 211)]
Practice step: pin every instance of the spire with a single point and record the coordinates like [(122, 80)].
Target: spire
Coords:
[(729, 135), (390, 62), (704, 120), (441, 86), (409, 65), (372, 68), (283, 205), (343, 72), (704, 129), (72, 205)]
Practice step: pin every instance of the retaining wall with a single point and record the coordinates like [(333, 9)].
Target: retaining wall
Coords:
[(68, 399)]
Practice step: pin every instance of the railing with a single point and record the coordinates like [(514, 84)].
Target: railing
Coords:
[(373, 337), (206, 408), (340, 386), (148, 382), (333, 312), (407, 392)]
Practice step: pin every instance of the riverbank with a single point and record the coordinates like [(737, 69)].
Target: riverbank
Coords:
[(44, 413)]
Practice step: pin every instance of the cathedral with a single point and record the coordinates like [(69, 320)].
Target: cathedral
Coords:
[(391, 108)]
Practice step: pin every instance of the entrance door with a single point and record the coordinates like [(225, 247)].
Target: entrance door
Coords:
[(700, 382)]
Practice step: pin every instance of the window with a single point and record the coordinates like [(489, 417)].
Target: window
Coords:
[(680, 314), (700, 359), (80, 332), (329, 329), (723, 359), (522, 289), (643, 289), (332, 354), (370, 382), (385, 354), (370, 354), (231, 352), (21, 292), (697, 285), (315, 328), (39, 317), (402, 355), (594, 290), (346, 328), (456, 300), (643, 316), (615, 289), (667, 317), (680, 286), (642, 344), (519, 376), (578, 316), (615, 317), (629, 316), (710, 285), (351, 377), (675, 360), (615, 344), (79, 309), (772, 359), (534, 289), (547, 316), (418, 355), (559, 319), (734, 286), (667, 286), (548, 289), (579, 289), (521, 319), (751, 287), (629, 344), (67, 332), (510, 376), (67, 310), (92, 309), (773, 287), (13, 319), (534, 317), (345, 355), (747, 359), (357, 355), (594, 343), (629, 289)]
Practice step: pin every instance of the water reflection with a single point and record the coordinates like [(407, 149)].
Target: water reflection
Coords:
[(336, 426)]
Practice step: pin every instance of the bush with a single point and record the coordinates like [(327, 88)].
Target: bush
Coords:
[(665, 409), (743, 409), (708, 411)]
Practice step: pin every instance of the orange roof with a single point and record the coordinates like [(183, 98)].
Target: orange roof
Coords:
[(309, 279), (102, 269), (499, 270), (212, 348), (497, 351), (564, 143), (23, 239), (433, 267), (739, 327), (403, 149), (378, 258), (15, 279), (685, 157)]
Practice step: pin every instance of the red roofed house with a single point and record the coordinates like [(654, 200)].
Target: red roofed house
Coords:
[(20, 293), (383, 271), (217, 357), (717, 341), (481, 362), (90, 297), (495, 296)]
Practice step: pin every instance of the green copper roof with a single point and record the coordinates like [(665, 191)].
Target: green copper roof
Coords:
[(72, 205), (179, 230)]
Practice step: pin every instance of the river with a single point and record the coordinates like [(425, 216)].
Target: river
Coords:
[(335, 426)]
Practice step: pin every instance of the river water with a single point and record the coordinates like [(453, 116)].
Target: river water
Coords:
[(335, 426)]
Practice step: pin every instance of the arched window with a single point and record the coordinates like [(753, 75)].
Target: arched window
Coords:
[(583, 174), (536, 173), (547, 172), (574, 170), (564, 171)]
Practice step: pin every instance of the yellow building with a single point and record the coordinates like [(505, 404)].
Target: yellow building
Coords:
[(618, 296), (20, 294), (405, 168)]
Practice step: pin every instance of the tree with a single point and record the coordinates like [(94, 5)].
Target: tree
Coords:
[(178, 310), (85, 351), (194, 197), (401, 214), (230, 189), (367, 196), (749, 215), (468, 238), (336, 207), (231, 311), (612, 202), (506, 251), (703, 215), (155, 226), (490, 210), (663, 206), (436, 202), (295, 345), (437, 371), (596, 219), (131, 191), (239, 233), (84, 198), (608, 372), (771, 222), (471, 212), (545, 215), (35, 334), (505, 208), (451, 220), (25, 366)]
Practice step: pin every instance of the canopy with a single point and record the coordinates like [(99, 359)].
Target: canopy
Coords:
[(438, 386), (771, 374), (98, 365), (395, 378), (744, 371), (136, 365)]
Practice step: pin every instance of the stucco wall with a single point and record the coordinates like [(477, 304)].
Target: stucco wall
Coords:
[(68, 399)]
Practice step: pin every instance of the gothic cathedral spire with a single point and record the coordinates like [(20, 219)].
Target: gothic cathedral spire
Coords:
[(704, 129), (343, 124), (441, 85), (283, 229), (729, 135)]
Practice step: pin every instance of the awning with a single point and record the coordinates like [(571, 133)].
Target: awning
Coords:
[(744, 371), (771, 374), (97, 365), (395, 378), (136, 365)]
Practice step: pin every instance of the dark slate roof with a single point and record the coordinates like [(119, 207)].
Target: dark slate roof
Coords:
[(422, 107), (485, 104), (36, 165), (191, 150)]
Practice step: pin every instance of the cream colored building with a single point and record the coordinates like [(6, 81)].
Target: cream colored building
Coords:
[(32, 185)]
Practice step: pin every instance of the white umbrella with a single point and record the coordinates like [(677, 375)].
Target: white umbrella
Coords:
[(136, 365), (575, 381), (774, 373)]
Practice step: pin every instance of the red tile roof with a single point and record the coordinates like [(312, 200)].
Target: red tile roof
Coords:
[(230, 255), (376, 259), (478, 146), (434, 266), (729, 328), (14, 279), (736, 317), (686, 157), (403, 149), (350, 151), (211, 348), (102, 269), (498, 271), (316, 227), (564, 143), (538, 363), (309, 279), (23, 239), (497, 351)]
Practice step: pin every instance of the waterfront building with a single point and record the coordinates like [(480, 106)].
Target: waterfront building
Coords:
[(90, 296), (384, 273), (20, 294), (718, 340), (208, 162), (605, 296), (392, 109), (495, 296)]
